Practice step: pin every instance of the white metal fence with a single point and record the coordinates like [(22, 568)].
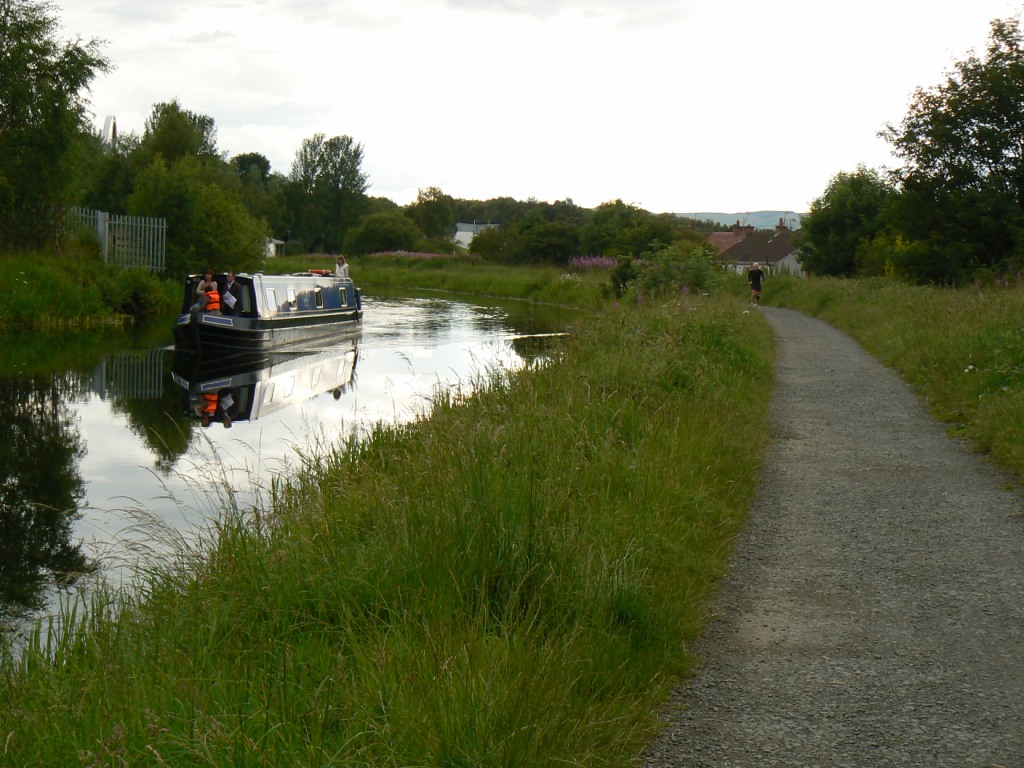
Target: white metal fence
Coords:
[(130, 375), (126, 241)]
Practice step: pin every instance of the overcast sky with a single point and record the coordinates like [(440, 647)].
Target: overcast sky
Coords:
[(672, 105)]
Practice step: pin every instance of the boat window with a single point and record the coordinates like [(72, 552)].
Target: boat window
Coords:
[(344, 297), (318, 295), (271, 300), (291, 296)]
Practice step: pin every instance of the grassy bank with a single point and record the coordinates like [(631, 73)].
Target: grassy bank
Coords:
[(74, 290), (508, 583), (962, 350), (466, 274)]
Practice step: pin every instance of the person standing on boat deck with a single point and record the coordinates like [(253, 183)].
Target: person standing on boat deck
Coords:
[(341, 267), (231, 296)]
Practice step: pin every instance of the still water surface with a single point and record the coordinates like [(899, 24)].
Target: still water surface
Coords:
[(107, 466)]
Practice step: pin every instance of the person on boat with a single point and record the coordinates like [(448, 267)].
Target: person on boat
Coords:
[(227, 407), (204, 285), (207, 293), (205, 406), (231, 297), (211, 302), (341, 267)]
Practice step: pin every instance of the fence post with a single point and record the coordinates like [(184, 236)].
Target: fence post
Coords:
[(102, 229)]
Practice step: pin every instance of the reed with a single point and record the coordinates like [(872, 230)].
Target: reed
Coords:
[(962, 349), (511, 581)]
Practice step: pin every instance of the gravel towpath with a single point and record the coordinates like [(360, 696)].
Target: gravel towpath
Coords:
[(873, 612)]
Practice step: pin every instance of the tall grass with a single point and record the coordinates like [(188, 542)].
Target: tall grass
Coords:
[(962, 349), (74, 290), (510, 582), (464, 274)]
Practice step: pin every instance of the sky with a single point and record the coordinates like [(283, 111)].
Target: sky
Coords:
[(670, 105)]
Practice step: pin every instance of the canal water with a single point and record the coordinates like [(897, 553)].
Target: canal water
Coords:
[(108, 463)]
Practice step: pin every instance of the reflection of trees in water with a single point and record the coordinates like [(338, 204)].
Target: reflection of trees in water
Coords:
[(40, 487), (535, 349), (153, 411)]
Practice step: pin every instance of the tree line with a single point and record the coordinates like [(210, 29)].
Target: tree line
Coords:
[(221, 209), (954, 210)]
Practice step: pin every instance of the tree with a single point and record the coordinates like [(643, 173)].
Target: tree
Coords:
[(550, 242), (251, 165), (330, 189), (173, 132), (207, 225), (619, 229), (434, 213), (263, 192), (383, 232), (43, 108), (962, 147), (670, 269), (847, 216)]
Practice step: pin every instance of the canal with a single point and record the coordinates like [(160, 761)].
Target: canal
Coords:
[(110, 461)]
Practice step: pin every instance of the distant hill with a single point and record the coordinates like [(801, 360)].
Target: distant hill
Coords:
[(755, 219)]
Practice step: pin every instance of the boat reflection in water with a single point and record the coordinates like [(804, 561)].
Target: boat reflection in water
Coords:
[(224, 388)]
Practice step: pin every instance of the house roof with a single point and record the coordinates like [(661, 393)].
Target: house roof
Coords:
[(723, 241), (765, 246)]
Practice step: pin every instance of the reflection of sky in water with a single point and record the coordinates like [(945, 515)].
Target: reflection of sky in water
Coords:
[(407, 351)]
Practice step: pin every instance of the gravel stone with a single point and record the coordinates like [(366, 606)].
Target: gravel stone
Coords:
[(873, 610)]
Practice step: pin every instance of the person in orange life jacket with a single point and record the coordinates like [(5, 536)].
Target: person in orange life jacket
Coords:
[(212, 303), (205, 406), (204, 285), (207, 293)]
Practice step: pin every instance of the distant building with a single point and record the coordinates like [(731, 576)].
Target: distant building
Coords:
[(109, 137), (465, 231), (273, 248), (723, 241), (773, 249)]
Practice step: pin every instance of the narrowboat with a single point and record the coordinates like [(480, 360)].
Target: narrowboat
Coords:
[(270, 311), (245, 387)]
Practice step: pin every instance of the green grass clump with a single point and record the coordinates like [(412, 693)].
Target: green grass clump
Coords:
[(962, 349), (57, 291), (510, 582)]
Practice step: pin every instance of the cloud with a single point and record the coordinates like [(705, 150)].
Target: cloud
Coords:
[(626, 14)]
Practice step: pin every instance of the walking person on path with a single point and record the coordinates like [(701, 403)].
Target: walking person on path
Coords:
[(754, 278)]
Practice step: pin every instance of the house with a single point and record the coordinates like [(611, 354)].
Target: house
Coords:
[(773, 249), (465, 231), (723, 241), (273, 248)]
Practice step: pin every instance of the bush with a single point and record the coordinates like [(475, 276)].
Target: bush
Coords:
[(134, 292), (383, 232), (673, 268)]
